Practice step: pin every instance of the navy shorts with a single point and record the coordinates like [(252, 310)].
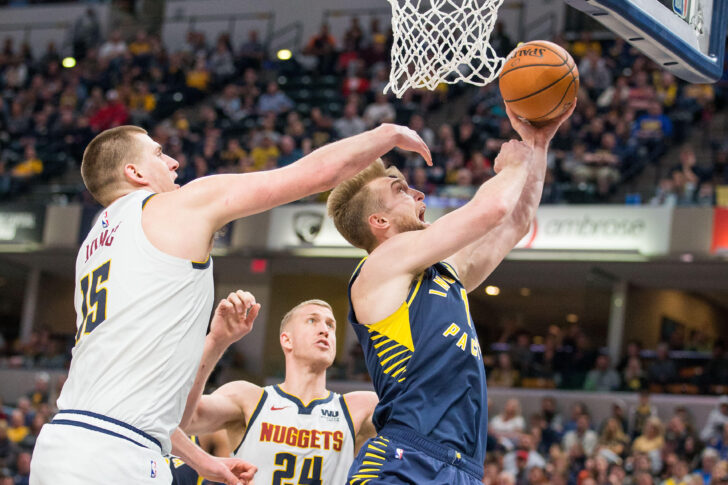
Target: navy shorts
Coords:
[(399, 455)]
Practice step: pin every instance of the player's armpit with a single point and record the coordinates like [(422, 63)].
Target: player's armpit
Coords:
[(361, 406), (233, 402)]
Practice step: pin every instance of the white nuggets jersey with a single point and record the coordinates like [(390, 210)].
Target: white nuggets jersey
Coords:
[(293, 443), (141, 319)]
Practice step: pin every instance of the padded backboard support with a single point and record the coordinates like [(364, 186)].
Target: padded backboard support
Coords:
[(665, 37)]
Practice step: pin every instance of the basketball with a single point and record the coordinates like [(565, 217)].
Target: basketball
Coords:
[(539, 81)]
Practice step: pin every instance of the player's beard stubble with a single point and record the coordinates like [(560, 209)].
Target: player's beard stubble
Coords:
[(409, 224)]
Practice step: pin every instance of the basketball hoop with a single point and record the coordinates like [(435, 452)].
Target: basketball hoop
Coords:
[(442, 41)]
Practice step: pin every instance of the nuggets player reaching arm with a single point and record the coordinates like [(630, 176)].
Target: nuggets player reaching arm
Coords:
[(144, 294), (295, 432), (409, 309)]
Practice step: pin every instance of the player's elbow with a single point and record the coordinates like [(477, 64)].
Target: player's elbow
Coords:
[(494, 214)]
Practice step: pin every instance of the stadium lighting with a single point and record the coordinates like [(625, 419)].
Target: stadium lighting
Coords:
[(492, 290), (572, 318), (68, 62), (525, 291), (284, 54)]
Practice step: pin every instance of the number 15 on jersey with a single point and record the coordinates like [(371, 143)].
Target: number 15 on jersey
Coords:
[(94, 299)]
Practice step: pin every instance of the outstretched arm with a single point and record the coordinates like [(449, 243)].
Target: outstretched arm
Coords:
[(232, 320), (476, 262), (386, 276), (231, 471), (182, 222)]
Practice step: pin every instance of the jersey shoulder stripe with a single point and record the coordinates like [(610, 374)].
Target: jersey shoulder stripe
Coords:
[(347, 415), (256, 412)]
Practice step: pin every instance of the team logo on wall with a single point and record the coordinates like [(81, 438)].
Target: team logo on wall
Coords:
[(307, 225)]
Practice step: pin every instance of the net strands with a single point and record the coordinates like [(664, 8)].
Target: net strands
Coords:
[(438, 41)]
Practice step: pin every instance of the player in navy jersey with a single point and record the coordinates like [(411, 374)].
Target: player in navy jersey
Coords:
[(183, 474), (409, 308)]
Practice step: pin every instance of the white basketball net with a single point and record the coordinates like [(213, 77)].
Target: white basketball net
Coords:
[(438, 41)]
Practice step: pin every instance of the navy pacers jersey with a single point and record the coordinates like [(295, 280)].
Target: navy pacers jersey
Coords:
[(426, 364), (183, 474)]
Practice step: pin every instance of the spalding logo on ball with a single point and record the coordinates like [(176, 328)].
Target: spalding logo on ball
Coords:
[(539, 81)]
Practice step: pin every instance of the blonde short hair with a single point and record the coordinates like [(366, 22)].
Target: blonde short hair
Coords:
[(352, 202), (103, 159), (288, 316)]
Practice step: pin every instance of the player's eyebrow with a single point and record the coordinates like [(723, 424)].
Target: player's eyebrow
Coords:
[(398, 181), (158, 149), (322, 317)]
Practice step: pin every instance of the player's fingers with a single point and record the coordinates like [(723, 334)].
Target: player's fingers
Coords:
[(235, 299), (224, 306), (427, 154), (253, 313), (248, 299)]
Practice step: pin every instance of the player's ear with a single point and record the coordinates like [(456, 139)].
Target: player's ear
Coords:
[(378, 221), (133, 175), (286, 342)]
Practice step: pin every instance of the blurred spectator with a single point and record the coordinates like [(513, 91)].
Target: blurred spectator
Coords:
[(22, 469), (716, 370), (7, 447), (613, 437), (86, 33), (508, 425), (583, 436), (222, 63), (550, 414), (252, 52), (350, 124), (113, 48), (633, 376), (652, 437), (322, 46), (662, 371), (40, 393), (30, 166), (354, 34), (504, 375), (641, 413), (289, 152), (17, 429), (274, 101), (524, 457), (381, 111), (110, 114), (594, 73), (602, 378), (708, 462), (718, 417)]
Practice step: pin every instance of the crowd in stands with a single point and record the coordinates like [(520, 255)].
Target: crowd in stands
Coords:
[(567, 359), (40, 350), (19, 429), (220, 108), (631, 446)]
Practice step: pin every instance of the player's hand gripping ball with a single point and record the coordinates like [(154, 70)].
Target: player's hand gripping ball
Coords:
[(539, 81)]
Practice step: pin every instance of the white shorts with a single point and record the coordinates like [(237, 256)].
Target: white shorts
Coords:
[(70, 454)]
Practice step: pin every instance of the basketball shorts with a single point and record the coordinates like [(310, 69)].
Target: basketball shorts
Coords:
[(399, 455), (84, 449)]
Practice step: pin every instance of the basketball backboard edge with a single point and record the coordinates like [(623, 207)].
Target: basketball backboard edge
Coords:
[(671, 46)]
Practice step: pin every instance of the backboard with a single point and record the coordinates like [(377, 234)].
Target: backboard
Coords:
[(686, 37)]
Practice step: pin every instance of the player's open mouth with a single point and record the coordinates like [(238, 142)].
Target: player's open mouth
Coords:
[(421, 214), (324, 343)]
